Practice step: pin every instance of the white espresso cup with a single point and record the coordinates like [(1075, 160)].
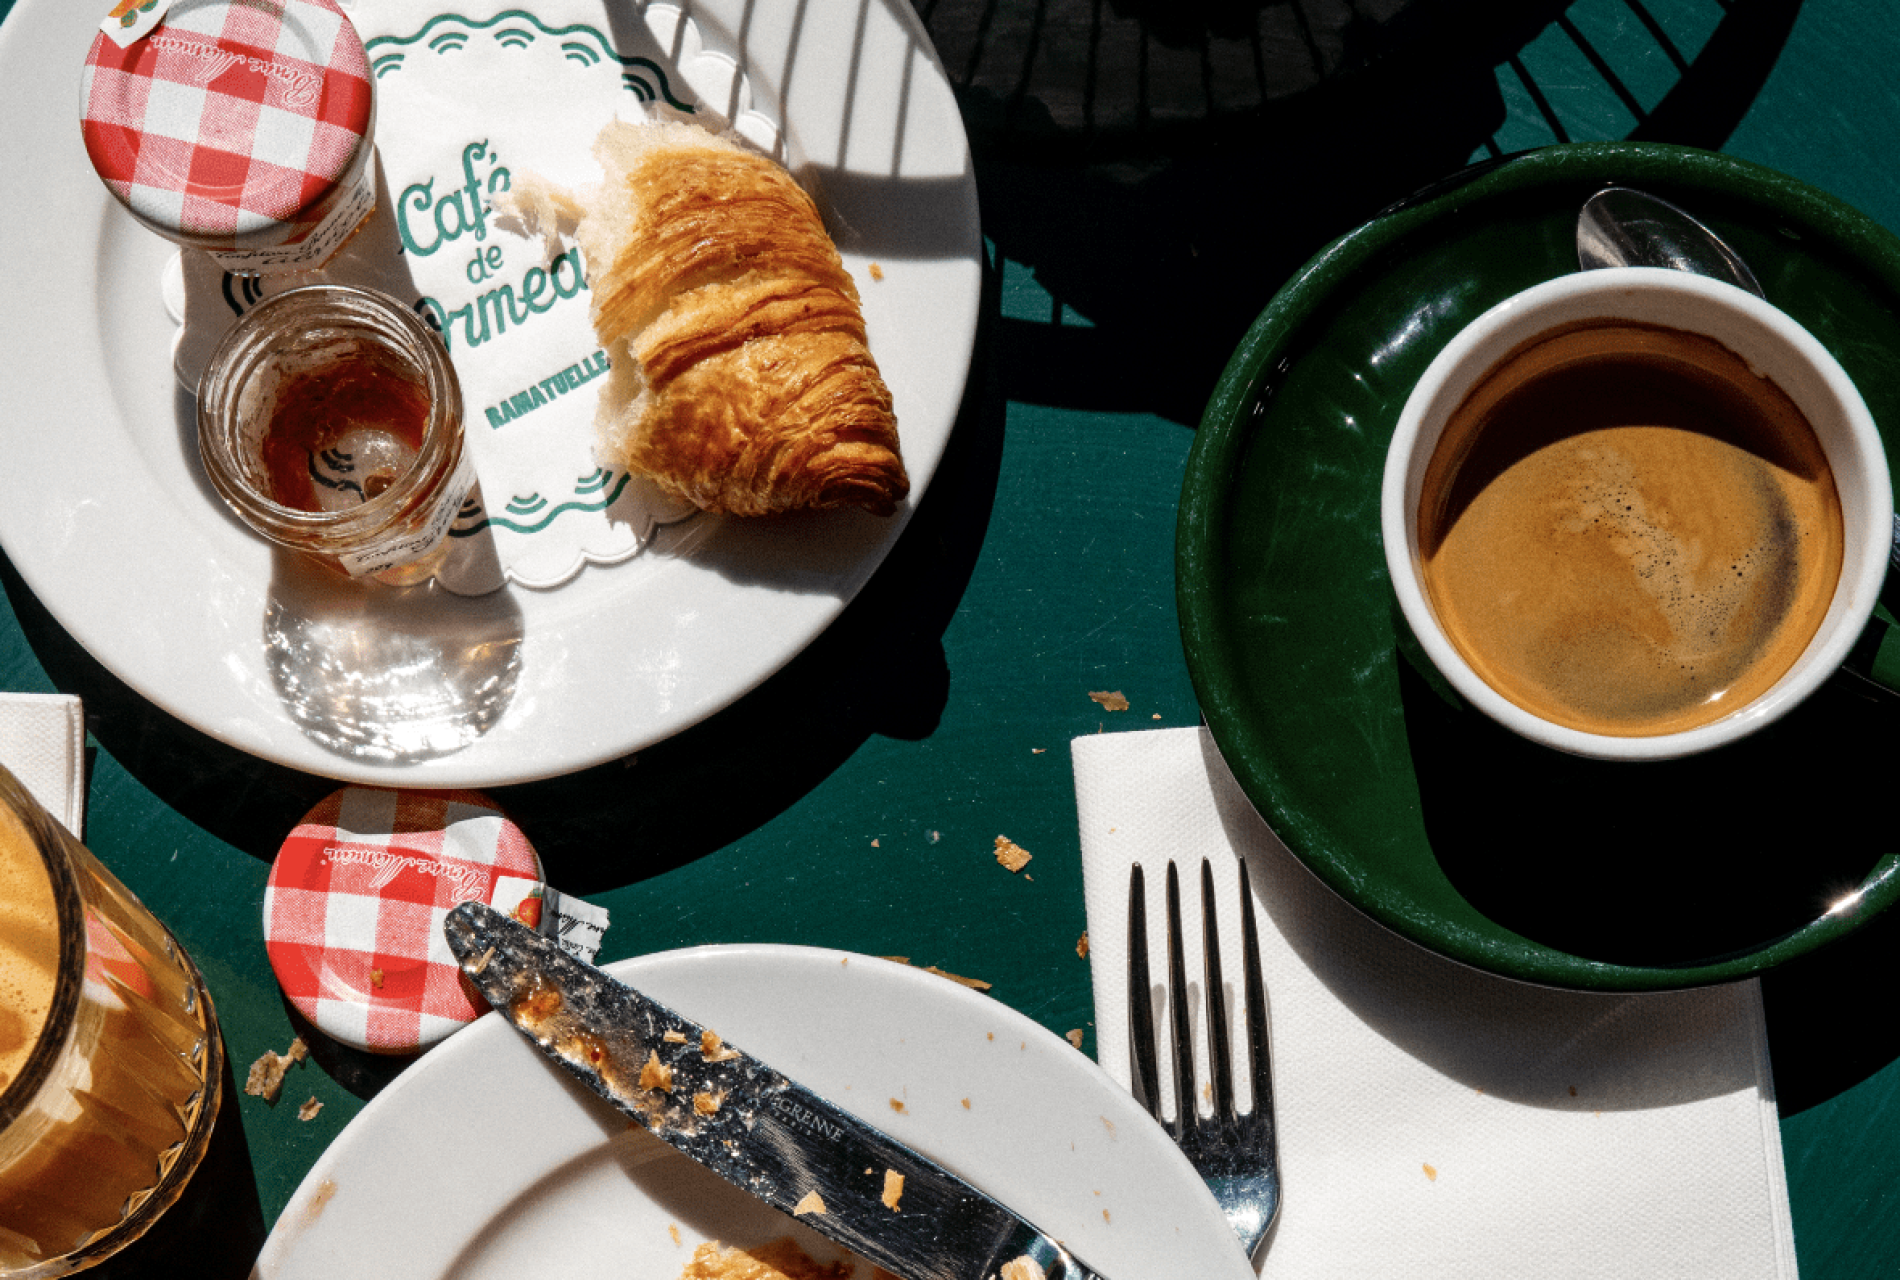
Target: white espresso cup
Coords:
[(1772, 346)]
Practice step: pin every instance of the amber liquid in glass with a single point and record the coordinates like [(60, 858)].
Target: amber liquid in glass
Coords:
[(112, 1134)]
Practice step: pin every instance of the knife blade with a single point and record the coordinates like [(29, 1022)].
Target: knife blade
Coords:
[(758, 1129)]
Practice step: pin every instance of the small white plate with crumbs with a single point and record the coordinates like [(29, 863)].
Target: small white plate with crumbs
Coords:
[(484, 1160), (596, 621)]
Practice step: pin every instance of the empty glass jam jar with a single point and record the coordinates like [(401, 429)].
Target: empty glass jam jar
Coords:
[(330, 420)]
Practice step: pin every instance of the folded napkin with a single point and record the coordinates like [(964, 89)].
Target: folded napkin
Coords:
[(43, 744), (1434, 1120)]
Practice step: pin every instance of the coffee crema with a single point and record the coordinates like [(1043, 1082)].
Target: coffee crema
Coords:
[(1626, 531), (29, 945)]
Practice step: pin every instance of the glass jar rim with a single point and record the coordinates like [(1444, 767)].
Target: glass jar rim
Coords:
[(244, 349)]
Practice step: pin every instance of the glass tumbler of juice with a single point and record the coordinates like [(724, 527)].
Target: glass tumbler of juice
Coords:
[(330, 421), (110, 1061)]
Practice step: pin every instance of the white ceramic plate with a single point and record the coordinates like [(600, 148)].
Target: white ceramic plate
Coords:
[(484, 1160), (105, 511)]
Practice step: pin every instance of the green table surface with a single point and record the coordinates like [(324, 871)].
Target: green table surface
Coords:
[(1149, 173)]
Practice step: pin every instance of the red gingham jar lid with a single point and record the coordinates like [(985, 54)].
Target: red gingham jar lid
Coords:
[(235, 124), (354, 908)]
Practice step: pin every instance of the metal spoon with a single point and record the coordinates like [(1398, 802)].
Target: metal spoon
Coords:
[(1621, 227)]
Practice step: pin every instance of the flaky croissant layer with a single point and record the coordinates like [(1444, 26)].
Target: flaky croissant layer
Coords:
[(741, 380)]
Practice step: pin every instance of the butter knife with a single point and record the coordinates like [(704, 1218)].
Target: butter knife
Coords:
[(762, 1132)]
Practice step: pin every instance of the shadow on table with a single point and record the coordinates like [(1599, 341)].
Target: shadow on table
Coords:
[(363, 1073), (1161, 169), (1526, 1042), (1824, 1034), (879, 669), (1542, 1047), (1664, 863), (1679, 861)]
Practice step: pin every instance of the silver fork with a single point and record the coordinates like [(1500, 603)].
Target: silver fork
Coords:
[(1234, 1153)]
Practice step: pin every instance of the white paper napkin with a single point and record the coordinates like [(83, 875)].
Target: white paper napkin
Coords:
[(1433, 1120), (43, 743)]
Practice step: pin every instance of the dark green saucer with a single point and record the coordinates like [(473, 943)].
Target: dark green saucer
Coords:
[(1418, 809)]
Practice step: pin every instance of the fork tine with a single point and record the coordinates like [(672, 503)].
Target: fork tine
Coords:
[(1233, 1153), (1141, 1010), (1186, 1113), (1259, 1052), (1220, 1062)]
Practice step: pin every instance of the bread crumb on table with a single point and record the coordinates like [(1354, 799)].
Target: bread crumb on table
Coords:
[(975, 984), (1012, 856), (1111, 701), (266, 1077), (309, 1110)]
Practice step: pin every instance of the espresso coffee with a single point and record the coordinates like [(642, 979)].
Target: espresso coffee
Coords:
[(1626, 531)]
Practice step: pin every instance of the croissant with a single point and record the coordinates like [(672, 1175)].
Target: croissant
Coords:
[(740, 378)]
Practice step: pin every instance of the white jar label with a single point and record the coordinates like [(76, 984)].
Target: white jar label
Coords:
[(408, 545), (353, 204)]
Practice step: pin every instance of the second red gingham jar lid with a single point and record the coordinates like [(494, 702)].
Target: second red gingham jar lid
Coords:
[(236, 125), (354, 908)]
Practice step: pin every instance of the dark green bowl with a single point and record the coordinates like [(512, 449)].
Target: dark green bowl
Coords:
[(1418, 809)]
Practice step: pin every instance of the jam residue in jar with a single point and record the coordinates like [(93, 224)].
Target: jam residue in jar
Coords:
[(330, 421), (341, 435)]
